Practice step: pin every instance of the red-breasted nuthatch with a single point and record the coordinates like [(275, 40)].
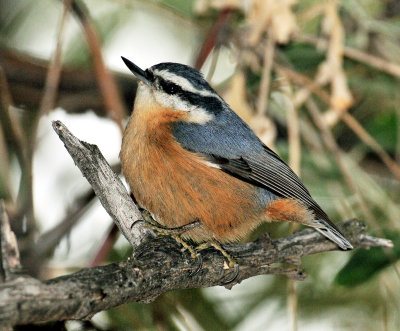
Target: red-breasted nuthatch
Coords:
[(188, 157)]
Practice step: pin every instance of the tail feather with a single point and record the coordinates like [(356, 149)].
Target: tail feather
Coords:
[(332, 233)]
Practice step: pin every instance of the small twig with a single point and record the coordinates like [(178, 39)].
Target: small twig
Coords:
[(109, 90), (212, 37), (357, 55), (305, 81), (49, 240), (105, 247), (293, 127), (11, 128), (21, 146), (263, 93), (347, 118), (55, 66), (357, 128), (332, 146), (213, 65)]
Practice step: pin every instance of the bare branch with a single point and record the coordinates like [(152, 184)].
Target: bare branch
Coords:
[(106, 184), (160, 266), (352, 53)]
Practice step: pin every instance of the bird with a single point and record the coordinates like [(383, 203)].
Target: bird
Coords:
[(188, 158)]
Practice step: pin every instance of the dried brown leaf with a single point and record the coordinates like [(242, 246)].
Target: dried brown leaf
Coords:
[(261, 15)]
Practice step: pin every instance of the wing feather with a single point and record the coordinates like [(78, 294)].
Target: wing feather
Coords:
[(268, 171)]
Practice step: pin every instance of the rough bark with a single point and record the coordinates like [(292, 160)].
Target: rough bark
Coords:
[(158, 265)]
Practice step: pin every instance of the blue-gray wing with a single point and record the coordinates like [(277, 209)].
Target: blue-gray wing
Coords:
[(229, 143)]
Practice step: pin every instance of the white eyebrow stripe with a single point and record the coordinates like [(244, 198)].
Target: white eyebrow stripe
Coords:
[(184, 83)]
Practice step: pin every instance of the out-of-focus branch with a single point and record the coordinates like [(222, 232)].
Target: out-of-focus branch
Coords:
[(105, 247), (212, 37), (347, 118), (357, 55), (34, 258), (112, 100), (55, 66), (305, 81), (293, 127), (332, 146), (357, 128), (11, 127), (78, 90), (268, 60)]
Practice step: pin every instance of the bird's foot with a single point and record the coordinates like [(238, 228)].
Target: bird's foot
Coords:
[(175, 233), (231, 262)]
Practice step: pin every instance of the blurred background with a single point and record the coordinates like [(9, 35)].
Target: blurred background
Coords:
[(317, 80)]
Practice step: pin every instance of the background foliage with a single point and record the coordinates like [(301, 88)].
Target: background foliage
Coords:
[(317, 80)]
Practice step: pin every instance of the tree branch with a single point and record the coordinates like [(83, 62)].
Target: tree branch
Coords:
[(106, 184), (158, 265)]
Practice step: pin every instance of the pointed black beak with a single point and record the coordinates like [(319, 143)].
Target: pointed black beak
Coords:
[(139, 73)]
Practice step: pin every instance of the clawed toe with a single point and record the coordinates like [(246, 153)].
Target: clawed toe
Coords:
[(233, 278), (199, 267)]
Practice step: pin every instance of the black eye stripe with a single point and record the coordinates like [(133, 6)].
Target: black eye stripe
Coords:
[(212, 103)]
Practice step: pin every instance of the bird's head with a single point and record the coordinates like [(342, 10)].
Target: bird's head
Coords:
[(178, 87)]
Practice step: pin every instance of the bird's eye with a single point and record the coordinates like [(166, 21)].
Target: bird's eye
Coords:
[(170, 89)]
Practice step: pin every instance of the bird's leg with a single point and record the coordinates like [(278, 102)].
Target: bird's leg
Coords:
[(231, 262), (175, 233), (163, 230)]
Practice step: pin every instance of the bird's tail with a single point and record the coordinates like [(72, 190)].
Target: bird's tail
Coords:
[(329, 230)]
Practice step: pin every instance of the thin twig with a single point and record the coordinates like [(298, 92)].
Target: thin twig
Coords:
[(212, 37), (336, 152), (49, 240), (10, 125), (347, 118), (357, 128), (263, 93), (55, 66), (109, 90), (305, 81), (357, 55), (105, 247), (294, 163), (25, 195), (213, 65)]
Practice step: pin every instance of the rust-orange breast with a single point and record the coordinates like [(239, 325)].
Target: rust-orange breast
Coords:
[(178, 187)]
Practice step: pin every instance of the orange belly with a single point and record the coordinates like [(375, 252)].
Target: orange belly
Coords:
[(178, 187)]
